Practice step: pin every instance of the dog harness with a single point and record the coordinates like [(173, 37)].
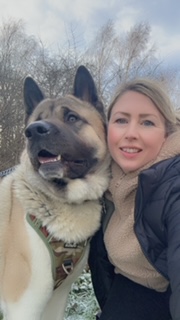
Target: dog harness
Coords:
[(6, 172), (64, 256)]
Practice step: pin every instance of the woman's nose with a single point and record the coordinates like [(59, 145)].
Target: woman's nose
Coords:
[(132, 131)]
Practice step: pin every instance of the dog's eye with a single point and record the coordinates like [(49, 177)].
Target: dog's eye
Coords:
[(72, 117)]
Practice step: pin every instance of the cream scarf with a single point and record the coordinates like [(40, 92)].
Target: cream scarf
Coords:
[(121, 243)]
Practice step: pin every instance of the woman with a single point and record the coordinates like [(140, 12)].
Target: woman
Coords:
[(135, 257)]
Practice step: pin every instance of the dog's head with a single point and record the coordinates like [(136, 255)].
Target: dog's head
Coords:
[(66, 137)]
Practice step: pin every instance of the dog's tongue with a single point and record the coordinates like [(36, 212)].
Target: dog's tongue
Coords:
[(43, 160)]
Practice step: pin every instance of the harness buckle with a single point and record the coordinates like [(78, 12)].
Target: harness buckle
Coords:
[(68, 266)]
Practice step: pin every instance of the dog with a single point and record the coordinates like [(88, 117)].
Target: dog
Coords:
[(50, 204)]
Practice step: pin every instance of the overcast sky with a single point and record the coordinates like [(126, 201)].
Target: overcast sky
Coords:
[(50, 19)]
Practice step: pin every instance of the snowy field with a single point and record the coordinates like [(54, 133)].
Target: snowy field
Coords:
[(82, 304)]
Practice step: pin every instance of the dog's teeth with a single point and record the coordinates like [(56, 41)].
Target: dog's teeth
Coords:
[(43, 160)]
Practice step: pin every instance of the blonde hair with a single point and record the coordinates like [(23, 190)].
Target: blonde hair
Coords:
[(153, 90)]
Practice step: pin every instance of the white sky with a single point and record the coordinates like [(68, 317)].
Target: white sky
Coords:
[(50, 20)]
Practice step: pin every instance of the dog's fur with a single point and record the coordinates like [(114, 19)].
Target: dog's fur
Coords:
[(62, 174)]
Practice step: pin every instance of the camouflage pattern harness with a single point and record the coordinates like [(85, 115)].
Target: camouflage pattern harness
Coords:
[(64, 256)]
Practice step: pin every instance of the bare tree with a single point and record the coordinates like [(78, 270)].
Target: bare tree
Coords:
[(134, 53), (99, 58), (15, 52), (115, 58)]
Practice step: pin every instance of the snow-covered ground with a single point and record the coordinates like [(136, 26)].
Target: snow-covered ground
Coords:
[(82, 304)]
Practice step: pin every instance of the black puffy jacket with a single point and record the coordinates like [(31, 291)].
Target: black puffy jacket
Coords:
[(157, 227)]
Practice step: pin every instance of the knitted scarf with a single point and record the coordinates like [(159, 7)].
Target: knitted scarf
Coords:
[(121, 243)]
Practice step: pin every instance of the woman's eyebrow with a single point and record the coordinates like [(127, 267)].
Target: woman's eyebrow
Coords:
[(144, 115), (122, 113), (128, 115)]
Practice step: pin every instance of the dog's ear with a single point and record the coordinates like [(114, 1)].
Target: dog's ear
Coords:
[(85, 88), (32, 96)]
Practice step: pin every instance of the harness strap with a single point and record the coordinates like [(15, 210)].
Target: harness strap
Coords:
[(64, 256), (5, 173)]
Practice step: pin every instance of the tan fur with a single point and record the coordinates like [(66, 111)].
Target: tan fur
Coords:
[(14, 250), (18, 255)]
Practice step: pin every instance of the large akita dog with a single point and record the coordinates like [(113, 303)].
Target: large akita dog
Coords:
[(50, 204)]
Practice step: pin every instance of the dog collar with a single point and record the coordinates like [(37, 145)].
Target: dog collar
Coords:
[(64, 256)]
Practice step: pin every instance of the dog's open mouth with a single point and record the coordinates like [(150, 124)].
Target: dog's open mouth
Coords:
[(45, 157), (56, 167)]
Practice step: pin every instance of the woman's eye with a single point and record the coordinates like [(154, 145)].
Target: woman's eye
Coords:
[(121, 120), (148, 123)]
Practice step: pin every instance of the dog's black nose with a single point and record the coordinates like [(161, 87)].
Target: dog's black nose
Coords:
[(37, 128)]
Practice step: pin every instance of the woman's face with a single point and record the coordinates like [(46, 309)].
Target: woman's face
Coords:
[(136, 131)]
